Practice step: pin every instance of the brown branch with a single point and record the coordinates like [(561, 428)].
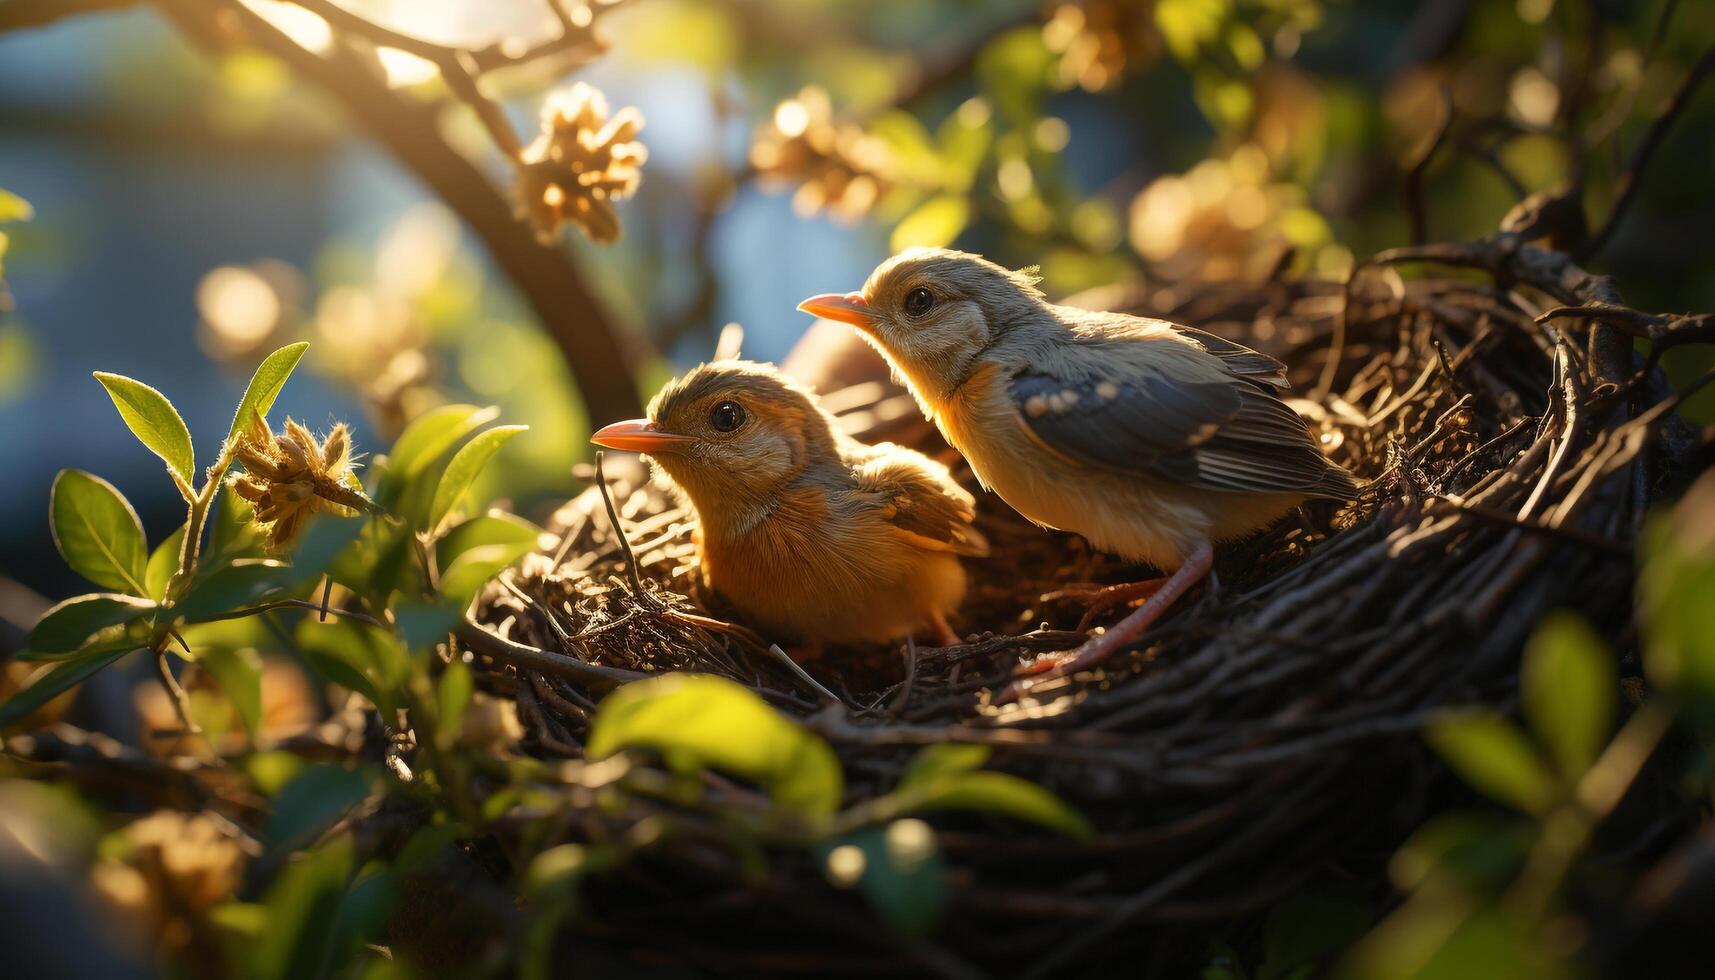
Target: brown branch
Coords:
[(1628, 184), (18, 15), (529, 658), (546, 277)]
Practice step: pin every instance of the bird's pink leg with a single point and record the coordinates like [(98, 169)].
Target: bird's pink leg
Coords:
[(1118, 595), (944, 634), (1122, 634)]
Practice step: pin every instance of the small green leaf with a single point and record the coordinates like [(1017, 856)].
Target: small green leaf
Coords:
[(163, 562), (68, 625), (323, 542), (234, 587), (303, 906), (936, 761), (238, 670), (422, 624), (899, 870), (61, 677), (1568, 691), (493, 528), (98, 532), (356, 655), (1491, 754), (14, 208), (934, 224), (433, 433), (407, 484), (265, 385), (995, 792), (465, 465), (699, 720), (468, 573), (1480, 852), (156, 423), (316, 798), (452, 697)]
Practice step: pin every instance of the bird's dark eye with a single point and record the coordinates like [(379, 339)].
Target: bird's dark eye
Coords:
[(918, 301), (726, 416)]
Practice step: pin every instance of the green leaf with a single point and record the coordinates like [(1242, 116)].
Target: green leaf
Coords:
[(68, 625), (323, 542), (898, 869), (465, 465), (699, 720), (936, 761), (156, 423), (356, 655), (163, 562), (238, 670), (934, 224), (1491, 754), (997, 793), (303, 909), (434, 433), (452, 697), (493, 528), (265, 385), (423, 624), (61, 677), (308, 804), (98, 532), (406, 486), (1481, 852), (1568, 691), (461, 581), (234, 587), (14, 208), (1306, 929)]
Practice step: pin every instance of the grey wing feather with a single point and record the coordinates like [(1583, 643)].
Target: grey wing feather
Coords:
[(1199, 411)]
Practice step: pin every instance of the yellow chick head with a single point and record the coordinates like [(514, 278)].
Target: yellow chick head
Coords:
[(933, 311), (727, 431)]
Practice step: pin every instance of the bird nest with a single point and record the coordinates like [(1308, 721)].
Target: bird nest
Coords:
[(1265, 731)]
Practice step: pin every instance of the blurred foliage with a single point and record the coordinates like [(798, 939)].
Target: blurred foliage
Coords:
[(1103, 140)]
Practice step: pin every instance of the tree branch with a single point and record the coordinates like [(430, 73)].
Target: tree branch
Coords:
[(546, 277)]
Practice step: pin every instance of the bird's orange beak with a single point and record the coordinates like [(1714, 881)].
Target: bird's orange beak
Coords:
[(849, 308), (639, 436)]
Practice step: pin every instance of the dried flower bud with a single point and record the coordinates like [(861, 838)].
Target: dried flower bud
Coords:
[(1098, 41), (580, 163), (836, 166), (291, 476), (1225, 218), (179, 866)]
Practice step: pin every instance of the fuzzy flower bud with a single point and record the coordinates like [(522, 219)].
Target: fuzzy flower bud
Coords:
[(836, 166), (580, 163), (291, 476)]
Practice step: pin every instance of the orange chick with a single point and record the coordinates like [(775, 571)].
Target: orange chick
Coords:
[(812, 536)]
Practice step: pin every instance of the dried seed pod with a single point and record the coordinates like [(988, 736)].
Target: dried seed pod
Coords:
[(580, 163), (178, 867), (837, 166), (290, 476), (1099, 41)]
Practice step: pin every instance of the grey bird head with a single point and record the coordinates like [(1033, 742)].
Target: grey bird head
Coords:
[(932, 311)]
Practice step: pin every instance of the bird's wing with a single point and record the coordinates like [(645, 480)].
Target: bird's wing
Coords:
[(1178, 407), (919, 498)]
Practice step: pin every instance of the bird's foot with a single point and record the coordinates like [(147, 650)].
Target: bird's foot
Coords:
[(1117, 595), (944, 634), (1162, 594)]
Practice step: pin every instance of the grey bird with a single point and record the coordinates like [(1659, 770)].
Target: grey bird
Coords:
[(1153, 440)]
